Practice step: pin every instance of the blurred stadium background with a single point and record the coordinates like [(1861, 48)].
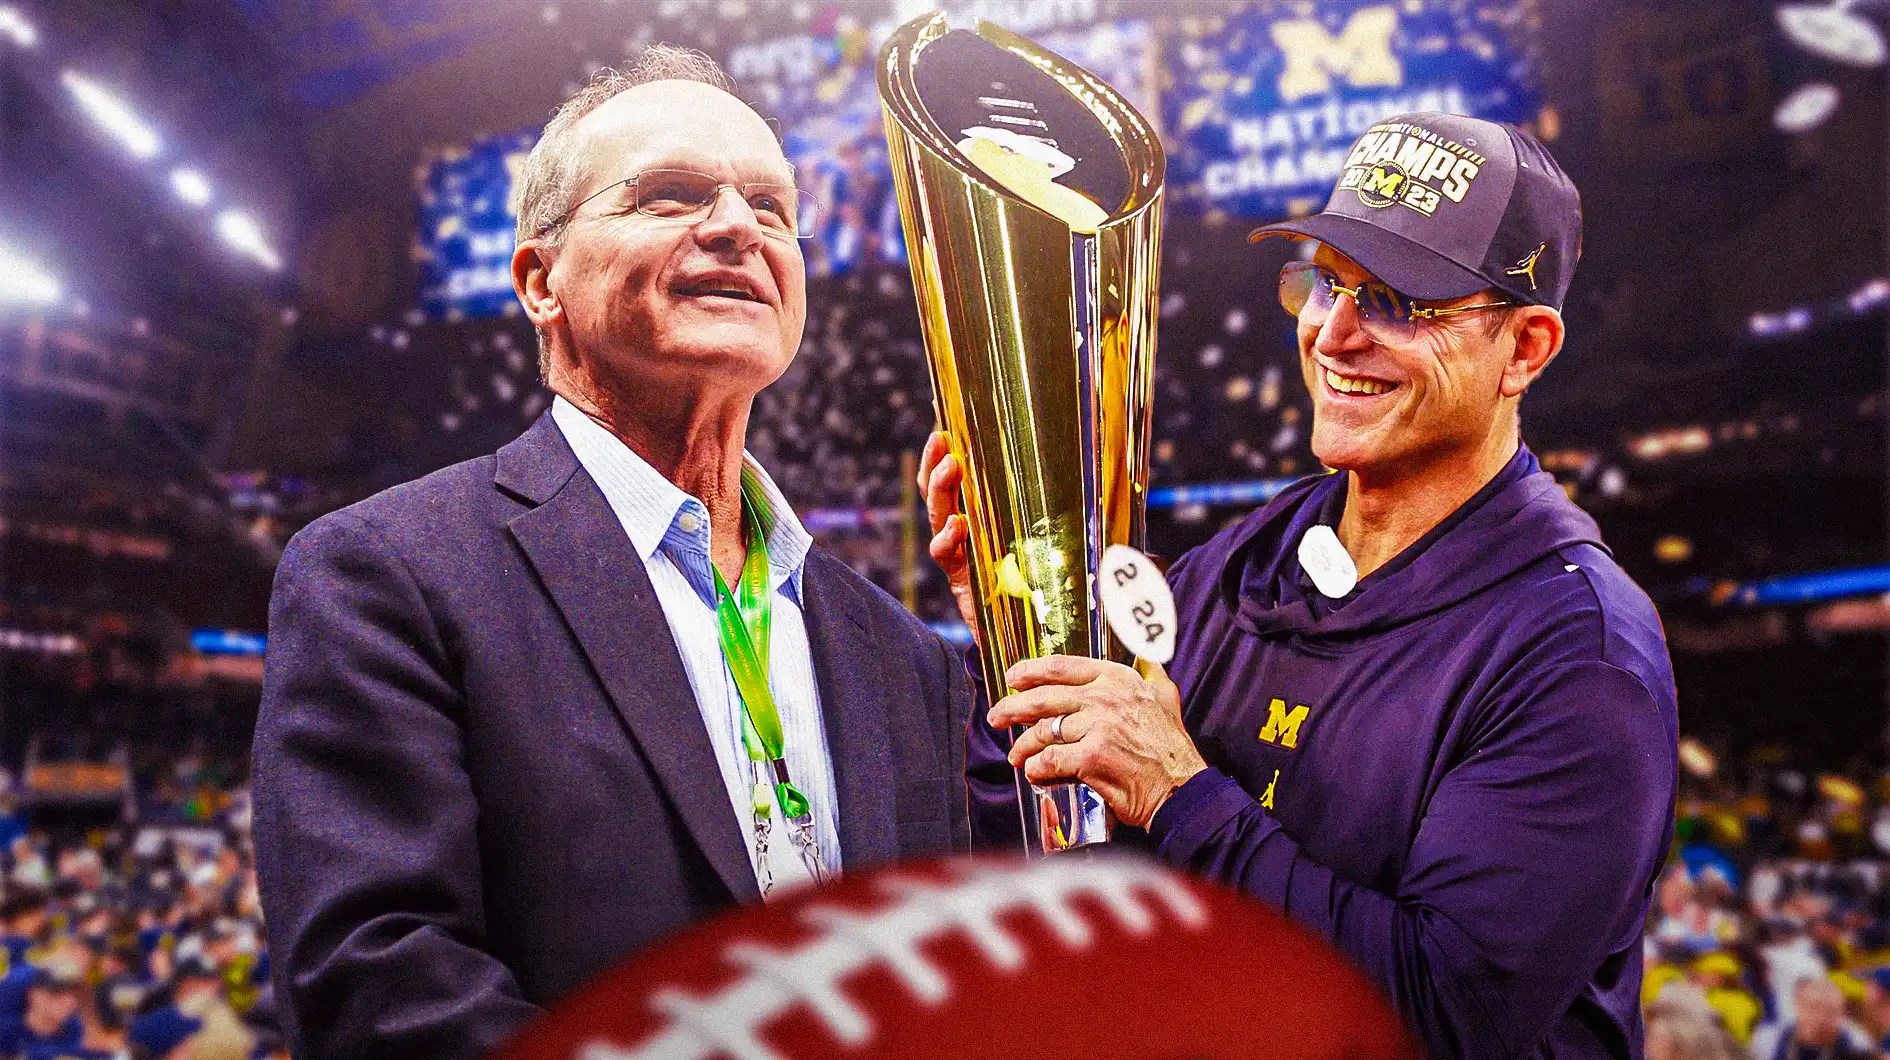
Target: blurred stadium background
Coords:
[(252, 269)]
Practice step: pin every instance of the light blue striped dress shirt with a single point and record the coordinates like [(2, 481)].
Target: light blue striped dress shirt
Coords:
[(670, 531)]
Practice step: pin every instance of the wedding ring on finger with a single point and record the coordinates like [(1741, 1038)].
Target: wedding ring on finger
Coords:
[(1056, 728)]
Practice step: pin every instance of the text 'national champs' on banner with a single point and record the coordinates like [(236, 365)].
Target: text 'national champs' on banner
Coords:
[(1261, 106), (1258, 104)]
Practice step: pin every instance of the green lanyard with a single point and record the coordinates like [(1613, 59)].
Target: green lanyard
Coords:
[(744, 622)]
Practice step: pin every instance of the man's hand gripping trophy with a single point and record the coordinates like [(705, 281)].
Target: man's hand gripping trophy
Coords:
[(1114, 727)]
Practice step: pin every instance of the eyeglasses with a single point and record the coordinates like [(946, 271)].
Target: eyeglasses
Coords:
[(685, 195), (1308, 291)]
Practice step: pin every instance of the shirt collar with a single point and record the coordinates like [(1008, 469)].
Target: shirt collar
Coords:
[(788, 541), (656, 513)]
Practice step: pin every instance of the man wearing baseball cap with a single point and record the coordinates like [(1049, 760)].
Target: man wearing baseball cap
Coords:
[(1415, 704), (47, 1015)]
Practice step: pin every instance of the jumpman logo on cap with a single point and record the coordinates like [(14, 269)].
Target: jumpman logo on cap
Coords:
[(1527, 266)]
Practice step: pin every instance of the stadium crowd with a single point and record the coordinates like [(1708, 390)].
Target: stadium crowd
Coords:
[(1770, 932), (140, 942), (129, 921)]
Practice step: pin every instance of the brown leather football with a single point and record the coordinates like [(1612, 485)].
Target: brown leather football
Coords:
[(1101, 957)]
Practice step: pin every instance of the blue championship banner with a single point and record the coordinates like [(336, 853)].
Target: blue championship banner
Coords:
[(464, 242), (1263, 102)]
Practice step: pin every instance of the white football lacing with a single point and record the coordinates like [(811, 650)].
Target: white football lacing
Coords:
[(773, 981)]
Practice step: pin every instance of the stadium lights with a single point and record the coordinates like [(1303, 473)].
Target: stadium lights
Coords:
[(14, 27), (1808, 107), (190, 186), (1696, 759), (1869, 297), (1835, 32), (1772, 325), (242, 233), (21, 281), (112, 115)]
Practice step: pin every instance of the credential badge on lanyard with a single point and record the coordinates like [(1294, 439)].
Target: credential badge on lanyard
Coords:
[(743, 621)]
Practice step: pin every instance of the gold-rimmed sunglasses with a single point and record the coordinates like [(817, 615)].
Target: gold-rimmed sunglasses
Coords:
[(1308, 292)]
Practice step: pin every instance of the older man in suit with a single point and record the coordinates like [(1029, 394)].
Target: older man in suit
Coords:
[(525, 715)]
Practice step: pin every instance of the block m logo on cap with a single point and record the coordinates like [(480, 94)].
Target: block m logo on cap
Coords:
[(1382, 184), (1361, 53)]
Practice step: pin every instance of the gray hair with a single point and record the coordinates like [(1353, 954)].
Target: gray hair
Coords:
[(549, 181)]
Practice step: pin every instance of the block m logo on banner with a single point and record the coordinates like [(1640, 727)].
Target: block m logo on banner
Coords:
[(1360, 53)]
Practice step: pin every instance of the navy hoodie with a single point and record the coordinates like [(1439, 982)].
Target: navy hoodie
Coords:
[(1462, 774)]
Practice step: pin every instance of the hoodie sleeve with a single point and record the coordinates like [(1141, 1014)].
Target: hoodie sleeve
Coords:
[(1530, 866)]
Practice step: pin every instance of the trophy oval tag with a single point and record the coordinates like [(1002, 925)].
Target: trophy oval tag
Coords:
[(1138, 603)]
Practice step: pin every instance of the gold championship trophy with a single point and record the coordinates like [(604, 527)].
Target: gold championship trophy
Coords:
[(1031, 195)]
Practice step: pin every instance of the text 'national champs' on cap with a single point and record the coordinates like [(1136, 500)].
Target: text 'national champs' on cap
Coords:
[(1442, 206)]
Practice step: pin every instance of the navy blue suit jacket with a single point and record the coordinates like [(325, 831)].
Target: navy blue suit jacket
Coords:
[(480, 775)]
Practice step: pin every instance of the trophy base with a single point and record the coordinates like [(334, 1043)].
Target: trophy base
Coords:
[(1069, 817)]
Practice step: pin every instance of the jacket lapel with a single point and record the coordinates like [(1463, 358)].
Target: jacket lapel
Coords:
[(591, 570), (853, 706)]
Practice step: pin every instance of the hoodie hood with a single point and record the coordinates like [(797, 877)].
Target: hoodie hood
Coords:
[(1520, 517)]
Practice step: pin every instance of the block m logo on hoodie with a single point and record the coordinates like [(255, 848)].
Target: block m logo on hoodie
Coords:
[(1282, 725)]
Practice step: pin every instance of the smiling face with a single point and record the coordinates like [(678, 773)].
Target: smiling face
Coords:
[(1389, 410), (649, 300)]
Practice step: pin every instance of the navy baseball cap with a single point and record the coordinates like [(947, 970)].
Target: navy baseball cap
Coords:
[(1441, 206)]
